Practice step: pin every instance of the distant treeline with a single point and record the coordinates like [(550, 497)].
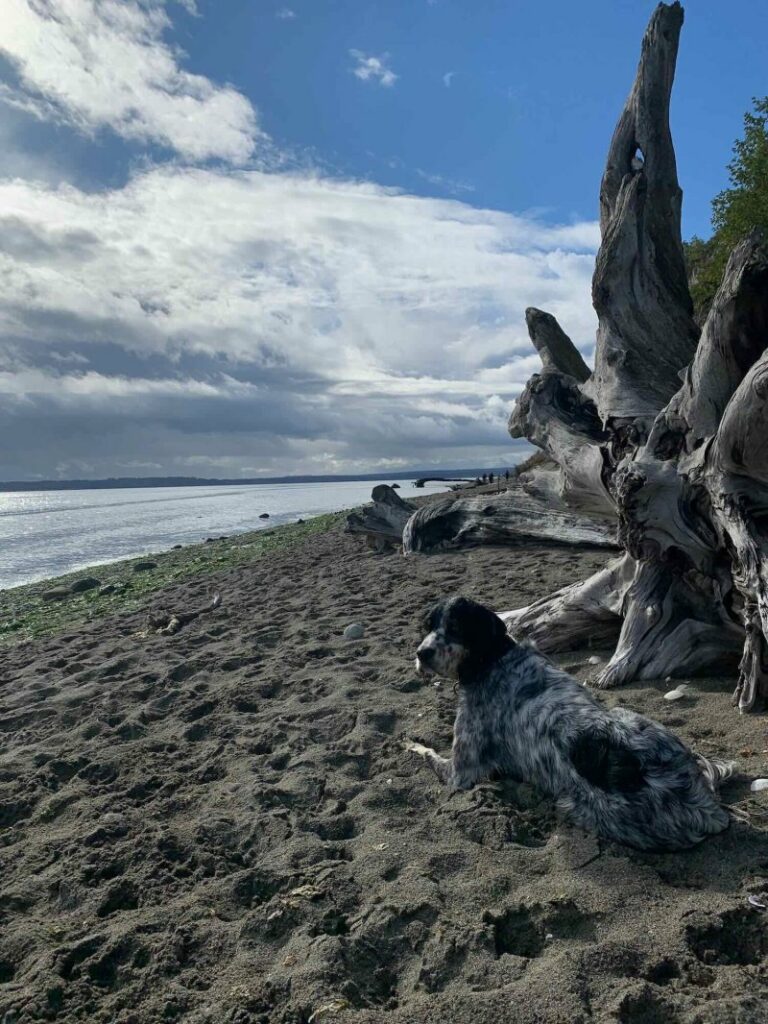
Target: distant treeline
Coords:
[(194, 481)]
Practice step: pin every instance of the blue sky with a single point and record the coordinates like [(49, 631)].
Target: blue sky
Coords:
[(242, 237), (533, 93)]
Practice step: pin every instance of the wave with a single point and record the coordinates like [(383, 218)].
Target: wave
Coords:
[(115, 504)]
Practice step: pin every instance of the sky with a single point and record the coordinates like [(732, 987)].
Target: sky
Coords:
[(244, 238)]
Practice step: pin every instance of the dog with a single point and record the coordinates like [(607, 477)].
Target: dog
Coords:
[(611, 771)]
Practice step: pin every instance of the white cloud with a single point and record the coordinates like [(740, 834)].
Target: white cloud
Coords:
[(447, 184), (340, 278), (105, 64), (285, 14), (448, 78), (373, 69), (75, 389), (306, 318)]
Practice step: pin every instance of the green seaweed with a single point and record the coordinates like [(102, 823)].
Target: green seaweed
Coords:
[(26, 614)]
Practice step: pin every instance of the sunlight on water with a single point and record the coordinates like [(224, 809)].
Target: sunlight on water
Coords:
[(47, 533)]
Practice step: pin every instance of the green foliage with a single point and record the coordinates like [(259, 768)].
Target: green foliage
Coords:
[(735, 210)]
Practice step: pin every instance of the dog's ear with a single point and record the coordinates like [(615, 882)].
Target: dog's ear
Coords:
[(482, 633), (477, 625), (433, 616)]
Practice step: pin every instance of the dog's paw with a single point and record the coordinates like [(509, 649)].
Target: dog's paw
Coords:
[(418, 748)]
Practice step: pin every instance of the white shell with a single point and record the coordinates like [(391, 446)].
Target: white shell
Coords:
[(758, 904), (594, 660), (355, 631), (759, 784), (679, 692)]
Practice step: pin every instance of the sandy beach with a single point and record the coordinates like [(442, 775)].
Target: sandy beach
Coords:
[(221, 825)]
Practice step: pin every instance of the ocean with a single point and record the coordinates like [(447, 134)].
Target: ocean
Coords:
[(48, 533)]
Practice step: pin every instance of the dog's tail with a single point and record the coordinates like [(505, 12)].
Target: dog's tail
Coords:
[(715, 770)]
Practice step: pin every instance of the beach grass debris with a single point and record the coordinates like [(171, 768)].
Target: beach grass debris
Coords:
[(329, 1009), (166, 624)]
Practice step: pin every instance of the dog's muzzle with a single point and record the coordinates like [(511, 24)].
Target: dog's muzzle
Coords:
[(425, 656)]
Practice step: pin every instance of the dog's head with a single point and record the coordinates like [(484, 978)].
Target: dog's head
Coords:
[(463, 640)]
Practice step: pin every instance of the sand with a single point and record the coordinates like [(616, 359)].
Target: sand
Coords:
[(222, 825)]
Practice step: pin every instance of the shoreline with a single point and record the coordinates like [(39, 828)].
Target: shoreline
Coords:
[(54, 535), (25, 612)]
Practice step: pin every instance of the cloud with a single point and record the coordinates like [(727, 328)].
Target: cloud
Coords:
[(98, 64), (447, 184), (285, 14), (448, 78), (373, 69), (285, 321)]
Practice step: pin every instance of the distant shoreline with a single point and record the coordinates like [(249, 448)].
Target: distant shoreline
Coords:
[(192, 481)]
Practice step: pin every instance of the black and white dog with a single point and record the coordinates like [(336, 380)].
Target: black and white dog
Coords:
[(613, 772)]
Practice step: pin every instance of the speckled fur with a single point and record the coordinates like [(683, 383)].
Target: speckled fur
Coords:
[(520, 716)]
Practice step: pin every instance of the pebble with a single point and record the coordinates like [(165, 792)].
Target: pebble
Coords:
[(594, 660), (85, 583), (264, 515), (56, 594), (108, 588), (679, 692), (758, 785), (355, 631), (144, 566), (112, 818)]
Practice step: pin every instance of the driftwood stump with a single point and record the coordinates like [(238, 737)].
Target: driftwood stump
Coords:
[(502, 519), (684, 465), (508, 518), (381, 523)]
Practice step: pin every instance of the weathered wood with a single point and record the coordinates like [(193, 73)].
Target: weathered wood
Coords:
[(553, 414), (736, 473), (646, 331), (685, 466), (586, 614), (555, 348), (166, 623), (384, 520), (504, 519), (734, 336)]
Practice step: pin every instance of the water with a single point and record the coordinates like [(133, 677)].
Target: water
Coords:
[(48, 533)]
